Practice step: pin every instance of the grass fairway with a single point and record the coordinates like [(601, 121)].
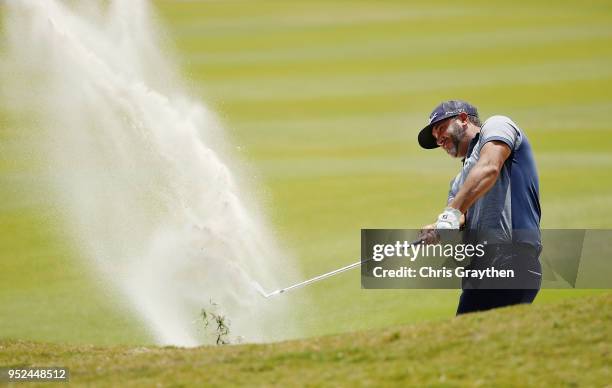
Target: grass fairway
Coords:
[(565, 344), (323, 100)]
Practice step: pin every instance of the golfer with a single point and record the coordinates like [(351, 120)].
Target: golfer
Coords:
[(494, 199)]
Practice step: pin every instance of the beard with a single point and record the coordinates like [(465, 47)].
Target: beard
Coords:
[(456, 133)]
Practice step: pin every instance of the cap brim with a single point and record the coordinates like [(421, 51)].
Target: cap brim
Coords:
[(426, 138)]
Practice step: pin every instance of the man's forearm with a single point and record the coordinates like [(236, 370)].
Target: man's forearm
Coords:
[(480, 180), (482, 176)]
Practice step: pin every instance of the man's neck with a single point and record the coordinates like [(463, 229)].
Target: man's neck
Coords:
[(470, 133)]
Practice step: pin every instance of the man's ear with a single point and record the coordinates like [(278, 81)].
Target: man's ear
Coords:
[(463, 118)]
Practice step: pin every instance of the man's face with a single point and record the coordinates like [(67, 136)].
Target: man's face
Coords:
[(448, 134)]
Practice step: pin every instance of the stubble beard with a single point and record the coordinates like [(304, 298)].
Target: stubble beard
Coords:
[(456, 134)]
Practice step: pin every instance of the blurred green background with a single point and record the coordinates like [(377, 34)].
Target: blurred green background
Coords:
[(323, 100)]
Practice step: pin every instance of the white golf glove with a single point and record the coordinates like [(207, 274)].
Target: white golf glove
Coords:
[(449, 219)]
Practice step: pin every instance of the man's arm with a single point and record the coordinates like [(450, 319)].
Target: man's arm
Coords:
[(478, 182), (482, 176)]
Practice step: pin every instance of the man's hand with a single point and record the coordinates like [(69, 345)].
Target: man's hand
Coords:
[(449, 219), (429, 235)]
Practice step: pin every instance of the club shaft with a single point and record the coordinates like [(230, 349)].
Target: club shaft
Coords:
[(321, 277), (325, 275)]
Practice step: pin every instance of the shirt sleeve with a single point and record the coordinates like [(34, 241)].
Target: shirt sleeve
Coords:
[(503, 129)]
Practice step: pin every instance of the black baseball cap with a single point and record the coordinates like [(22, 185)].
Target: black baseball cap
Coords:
[(443, 111)]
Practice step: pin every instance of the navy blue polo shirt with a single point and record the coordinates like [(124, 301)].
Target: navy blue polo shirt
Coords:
[(510, 211)]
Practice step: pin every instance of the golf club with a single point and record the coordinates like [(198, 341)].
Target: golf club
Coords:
[(315, 279)]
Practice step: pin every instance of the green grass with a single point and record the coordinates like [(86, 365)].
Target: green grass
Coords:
[(561, 345), (324, 99)]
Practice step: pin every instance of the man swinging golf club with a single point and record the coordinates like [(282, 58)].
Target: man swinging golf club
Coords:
[(494, 198)]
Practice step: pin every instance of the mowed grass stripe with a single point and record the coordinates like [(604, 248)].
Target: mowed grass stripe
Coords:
[(389, 145), (336, 20), (238, 16), (372, 127), (351, 162), (340, 85), (400, 59), (314, 20), (331, 12), (310, 51), (507, 95)]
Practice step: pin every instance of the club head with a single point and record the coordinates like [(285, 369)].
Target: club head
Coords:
[(275, 293), (260, 290)]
